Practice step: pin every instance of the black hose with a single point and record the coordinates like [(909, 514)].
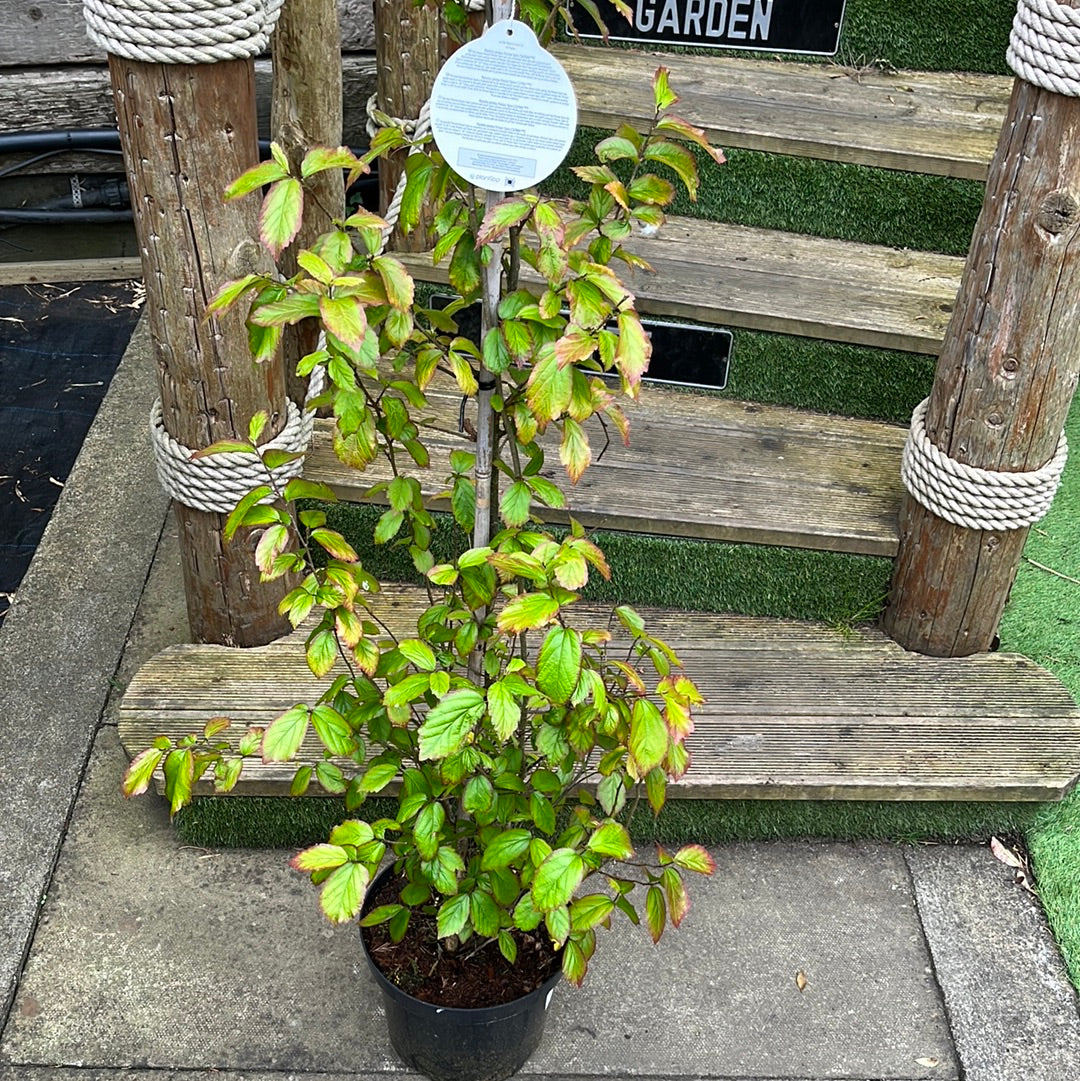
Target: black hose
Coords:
[(48, 144)]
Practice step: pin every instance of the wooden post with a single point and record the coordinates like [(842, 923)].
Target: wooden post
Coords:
[(306, 111), (408, 45), (188, 130), (1006, 375)]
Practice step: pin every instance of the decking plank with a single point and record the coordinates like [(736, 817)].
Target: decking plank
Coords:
[(943, 123), (760, 279), (702, 467), (793, 710)]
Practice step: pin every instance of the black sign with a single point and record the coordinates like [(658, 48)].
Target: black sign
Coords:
[(778, 26)]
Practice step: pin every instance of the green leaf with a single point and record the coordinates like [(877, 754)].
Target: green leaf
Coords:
[(634, 348), (378, 776), (648, 736), (574, 450), (298, 488), (549, 388), (504, 710), (478, 795), (656, 789), (611, 839), (496, 355), (342, 893), (652, 190), (344, 318), (231, 291), (678, 903), (655, 912), (515, 504), (418, 173), (329, 775), (453, 915), (406, 690), (380, 915), (556, 879), (663, 96), (528, 611), (319, 858), (615, 148), (321, 651), (417, 653), (526, 915), (559, 664), (695, 858), (505, 849), (301, 781), (558, 924), (448, 723), (574, 964), (138, 775), (282, 212), (335, 544), (322, 158), (283, 736), (396, 281), (266, 172), (588, 911), (286, 311), (507, 946), (542, 813), (679, 160), (236, 517), (333, 730), (484, 914), (548, 493), (429, 824), (388, 526), (501, 217), (680, 128)]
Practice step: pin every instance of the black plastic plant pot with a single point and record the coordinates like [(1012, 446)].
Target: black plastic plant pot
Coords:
[(449, 1044)]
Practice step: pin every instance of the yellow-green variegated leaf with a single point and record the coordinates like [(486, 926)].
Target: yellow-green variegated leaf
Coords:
[(282, 212)]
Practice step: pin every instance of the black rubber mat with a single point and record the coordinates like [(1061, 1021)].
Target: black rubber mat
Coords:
[(59, 347)]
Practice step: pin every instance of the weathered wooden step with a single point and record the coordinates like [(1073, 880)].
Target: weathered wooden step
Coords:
[(761, 279), (943, 123), (794, 711), (700, 466)]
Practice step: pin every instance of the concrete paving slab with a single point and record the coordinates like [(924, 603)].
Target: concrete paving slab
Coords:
[(153, 955), (1013, 1011), (60, 644)]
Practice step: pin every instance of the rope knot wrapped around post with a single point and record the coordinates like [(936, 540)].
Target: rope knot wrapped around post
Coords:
[(1044, 46), (181, 31), (976, 498)]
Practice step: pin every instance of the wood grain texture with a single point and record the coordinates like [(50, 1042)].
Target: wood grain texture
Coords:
[(187, 131), (794, 710), (80, 96), (704, 467), (928, 122), (760, 279), (1006, 374), (408, 43), (70, 270)]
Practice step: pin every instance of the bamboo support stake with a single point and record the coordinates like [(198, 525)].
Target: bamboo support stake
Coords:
[(1006, 374)]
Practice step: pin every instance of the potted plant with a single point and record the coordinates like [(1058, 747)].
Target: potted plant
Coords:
[(520, 736)]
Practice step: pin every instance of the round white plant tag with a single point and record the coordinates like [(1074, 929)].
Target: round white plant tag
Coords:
[(503, 112)]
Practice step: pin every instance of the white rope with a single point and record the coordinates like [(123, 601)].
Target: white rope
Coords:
[(1044, 47), (181, 31), (976, 498), (217, 483)]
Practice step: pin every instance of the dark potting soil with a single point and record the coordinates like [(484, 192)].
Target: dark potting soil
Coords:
[(475, 976)]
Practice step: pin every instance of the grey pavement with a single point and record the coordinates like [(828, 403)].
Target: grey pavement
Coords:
[(126, 955)]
